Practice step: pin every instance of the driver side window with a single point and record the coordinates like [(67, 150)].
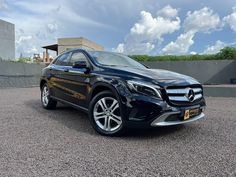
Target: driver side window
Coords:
[(78, 56)]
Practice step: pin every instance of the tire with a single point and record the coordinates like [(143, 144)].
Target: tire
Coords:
[(46, 100), (105, 114)]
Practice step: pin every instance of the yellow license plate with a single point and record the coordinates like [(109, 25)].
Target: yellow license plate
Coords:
[(190, 113), (186, 115)]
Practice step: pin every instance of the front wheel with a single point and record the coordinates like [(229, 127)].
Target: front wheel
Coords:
[(46, 100), (105, 114)]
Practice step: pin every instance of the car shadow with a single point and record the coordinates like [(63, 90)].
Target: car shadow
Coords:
[(79, 121), (68, 116), (153, 132)]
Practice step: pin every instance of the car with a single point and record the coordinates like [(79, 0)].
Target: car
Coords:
[(119, 93)]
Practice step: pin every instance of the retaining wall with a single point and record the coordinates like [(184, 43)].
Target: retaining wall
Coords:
[(19, 74), (205, 71)]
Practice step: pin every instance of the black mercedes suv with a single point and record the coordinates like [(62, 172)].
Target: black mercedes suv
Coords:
[(119, 93)]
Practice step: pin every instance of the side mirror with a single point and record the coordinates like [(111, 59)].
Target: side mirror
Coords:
[(80, 64)]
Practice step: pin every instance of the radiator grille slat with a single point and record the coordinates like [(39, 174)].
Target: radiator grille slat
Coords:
[(178, 95)]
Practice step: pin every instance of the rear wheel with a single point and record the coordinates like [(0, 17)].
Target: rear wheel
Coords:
[(46, 100), (105, 114)]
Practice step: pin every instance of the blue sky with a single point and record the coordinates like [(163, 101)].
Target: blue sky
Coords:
[(154, 27)]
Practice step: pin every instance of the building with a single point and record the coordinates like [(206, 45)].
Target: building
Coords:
[(7, 40), (64, 44)]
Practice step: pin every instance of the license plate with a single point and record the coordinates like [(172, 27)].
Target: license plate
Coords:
[(190, 113), (186, 115)]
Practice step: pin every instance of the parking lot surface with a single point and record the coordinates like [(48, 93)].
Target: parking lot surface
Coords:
[(37, 142)]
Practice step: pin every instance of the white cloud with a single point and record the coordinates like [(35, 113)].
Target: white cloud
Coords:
[(153, 28), (46, 24), (24, 44), (119, 49), (150, 30), (139, 48), (105, 23), (231, 19), (168, 12), (135, 48), (203, 20), (181, 45), (63, 13), (193, 53), (52, 27), (23, 39), (32, 50), (215, 48)]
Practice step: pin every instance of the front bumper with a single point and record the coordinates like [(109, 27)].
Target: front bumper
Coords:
[(143, 112), (163, 119)]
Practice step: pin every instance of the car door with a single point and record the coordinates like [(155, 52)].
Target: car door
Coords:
[(78, 80), (58, 76)]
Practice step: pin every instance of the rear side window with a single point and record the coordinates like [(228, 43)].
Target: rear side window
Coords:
[(63, 59)]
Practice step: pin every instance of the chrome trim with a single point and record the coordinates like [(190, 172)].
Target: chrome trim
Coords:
[(197, 96), (184, 98), (181, 94), (76, 72), (183, 91), (160, 121), (197, 90), (178, 98)]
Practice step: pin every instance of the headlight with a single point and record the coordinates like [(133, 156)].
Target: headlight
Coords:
[(144, 88)]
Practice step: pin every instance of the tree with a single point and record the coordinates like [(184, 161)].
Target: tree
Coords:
[(227, 53)]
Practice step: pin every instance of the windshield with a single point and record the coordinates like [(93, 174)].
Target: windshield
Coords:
[(114, 59)]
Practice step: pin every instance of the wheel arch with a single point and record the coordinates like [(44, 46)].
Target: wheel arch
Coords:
[(99, 87), (42, 82)]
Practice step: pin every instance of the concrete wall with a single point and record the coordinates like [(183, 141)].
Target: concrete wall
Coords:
[(19, 74), (7, 40), (207, 72)]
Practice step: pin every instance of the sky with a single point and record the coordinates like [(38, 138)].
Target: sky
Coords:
[(153, 27)]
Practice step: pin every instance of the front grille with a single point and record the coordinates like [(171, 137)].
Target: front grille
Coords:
[(184, 95)]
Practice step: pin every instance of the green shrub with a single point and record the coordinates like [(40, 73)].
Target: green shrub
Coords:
[(228, 53), (24, 60)]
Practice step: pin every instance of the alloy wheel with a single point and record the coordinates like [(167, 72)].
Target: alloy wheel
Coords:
[(106, 114), (45, 96)]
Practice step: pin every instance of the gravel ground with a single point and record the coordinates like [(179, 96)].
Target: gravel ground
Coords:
[(37, 142)]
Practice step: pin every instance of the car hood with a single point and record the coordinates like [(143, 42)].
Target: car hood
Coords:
[(157, 76)]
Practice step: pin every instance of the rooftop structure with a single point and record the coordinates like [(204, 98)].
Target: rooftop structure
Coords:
[(64, 44)]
